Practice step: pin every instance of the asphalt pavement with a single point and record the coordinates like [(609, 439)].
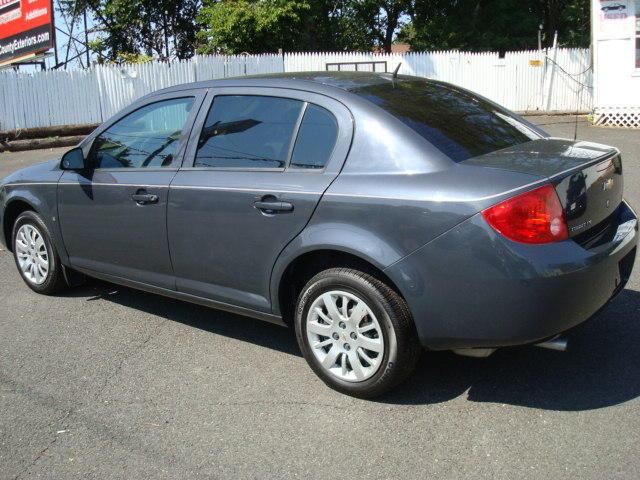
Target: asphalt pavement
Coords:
[(107, 382)]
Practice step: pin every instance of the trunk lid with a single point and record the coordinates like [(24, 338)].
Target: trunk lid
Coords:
[(587, 176)]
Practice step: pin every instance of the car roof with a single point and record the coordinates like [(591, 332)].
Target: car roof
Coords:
[(329, 82)]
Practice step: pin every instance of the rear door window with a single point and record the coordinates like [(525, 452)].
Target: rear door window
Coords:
[(459, 124), (316, 139), (248, 131)]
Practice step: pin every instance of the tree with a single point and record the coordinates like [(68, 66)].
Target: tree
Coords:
[(155, 28), (166, 28), (336, 25), (376, 22), (236, 26), (570, 18), (383, 17), (480, 25), (179, 28), (255, 26)]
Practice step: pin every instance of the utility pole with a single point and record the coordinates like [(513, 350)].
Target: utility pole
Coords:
[(540, 37), (77, 44), (86, 38), (166, 35)]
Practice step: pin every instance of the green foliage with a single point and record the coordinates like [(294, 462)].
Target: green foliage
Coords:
[(237, 26), (334, 25), (480, 25), (132, 27), (233, 26), (575, 24), (382, 18), (133, 58), (140, 26), (256, 26)]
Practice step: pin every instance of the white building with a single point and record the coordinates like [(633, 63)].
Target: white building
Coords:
[(616, 51)]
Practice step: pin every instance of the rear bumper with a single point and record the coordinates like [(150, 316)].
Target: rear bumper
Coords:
[(471, 287)]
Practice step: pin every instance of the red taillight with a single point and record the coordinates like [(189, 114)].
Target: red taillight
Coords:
[(532, 217)]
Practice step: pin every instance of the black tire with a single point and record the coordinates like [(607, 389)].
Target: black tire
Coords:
[(401, 346), (54, 281)]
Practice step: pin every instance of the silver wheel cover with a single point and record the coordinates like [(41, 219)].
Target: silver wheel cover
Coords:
[(32, 254), (345, 336)]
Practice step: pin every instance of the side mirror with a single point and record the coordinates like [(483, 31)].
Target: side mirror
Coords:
[(73, 160)]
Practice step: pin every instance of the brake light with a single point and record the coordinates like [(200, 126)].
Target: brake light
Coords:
[(532, 217)]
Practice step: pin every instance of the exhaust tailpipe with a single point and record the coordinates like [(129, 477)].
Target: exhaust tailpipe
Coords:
[(558, 344)]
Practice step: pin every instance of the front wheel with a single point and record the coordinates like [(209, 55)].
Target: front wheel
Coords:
[(355, 332), (35, 255)]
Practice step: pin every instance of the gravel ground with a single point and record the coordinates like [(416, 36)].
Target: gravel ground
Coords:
[(107, 382)]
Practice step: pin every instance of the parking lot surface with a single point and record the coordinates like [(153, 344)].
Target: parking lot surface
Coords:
[(106, 382)]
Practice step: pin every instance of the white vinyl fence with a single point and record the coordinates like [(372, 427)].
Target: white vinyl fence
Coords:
[(558, 80)]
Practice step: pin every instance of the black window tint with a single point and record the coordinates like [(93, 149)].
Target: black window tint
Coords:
[(316, 138), (243, 131), (462, 126), (146, 138)]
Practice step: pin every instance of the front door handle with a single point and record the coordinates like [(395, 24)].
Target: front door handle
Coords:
[(142, 198), (273, 206)]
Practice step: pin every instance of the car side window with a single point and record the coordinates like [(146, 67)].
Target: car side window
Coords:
[(248, 131), (316, 139), (146, 138)]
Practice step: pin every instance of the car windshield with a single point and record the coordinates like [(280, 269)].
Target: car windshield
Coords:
[(459, 124)]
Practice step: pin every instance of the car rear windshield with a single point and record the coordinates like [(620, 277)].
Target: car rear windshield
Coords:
[(459, 124)]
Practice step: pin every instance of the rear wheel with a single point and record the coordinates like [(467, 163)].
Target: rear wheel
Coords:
[(355, 332), (35, 255)]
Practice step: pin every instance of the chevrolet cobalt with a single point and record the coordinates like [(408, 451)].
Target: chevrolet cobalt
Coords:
[(375, 214)]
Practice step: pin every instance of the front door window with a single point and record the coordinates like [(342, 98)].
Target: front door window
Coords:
[(146, 138)]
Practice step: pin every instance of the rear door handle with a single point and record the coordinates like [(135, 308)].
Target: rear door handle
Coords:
[(273, 206), (144, 198)]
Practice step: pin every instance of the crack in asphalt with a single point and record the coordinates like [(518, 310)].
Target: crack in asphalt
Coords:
[(281, 403), (133, 351), (45, 449), (81, 419), (38, 457)]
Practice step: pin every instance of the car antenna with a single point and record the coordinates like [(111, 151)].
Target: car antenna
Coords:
[(395, 72)]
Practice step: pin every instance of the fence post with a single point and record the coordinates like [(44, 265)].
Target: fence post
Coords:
[(194, 62), (550, 71), (101, 90)]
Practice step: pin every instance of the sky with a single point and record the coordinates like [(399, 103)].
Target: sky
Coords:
[(62, 39)]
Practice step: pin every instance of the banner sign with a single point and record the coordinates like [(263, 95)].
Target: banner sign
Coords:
[(26, 27)]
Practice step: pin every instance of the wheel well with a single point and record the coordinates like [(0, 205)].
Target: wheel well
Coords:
[(303, 268), (11, 213)]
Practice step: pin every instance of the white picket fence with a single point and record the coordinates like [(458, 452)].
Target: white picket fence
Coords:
[(558, 80)]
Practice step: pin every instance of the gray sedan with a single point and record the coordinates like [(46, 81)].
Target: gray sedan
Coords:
[(377, 215)]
